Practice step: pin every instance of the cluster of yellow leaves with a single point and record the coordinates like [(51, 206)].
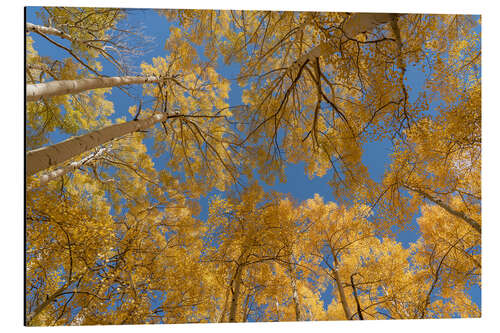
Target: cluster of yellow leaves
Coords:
[(197, 141), (120, 238), (70, 114), (132, 240), (64, 240), (316, 244)]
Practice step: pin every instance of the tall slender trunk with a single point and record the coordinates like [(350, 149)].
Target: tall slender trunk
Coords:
[(44, 179), (38, 91), (295, 294), (45, 157), (340, 288), (353, 26), (30, 27), (473, 223), (277, 308), (235, 294)]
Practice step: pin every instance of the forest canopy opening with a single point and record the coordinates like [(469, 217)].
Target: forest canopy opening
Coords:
[(243, 166)]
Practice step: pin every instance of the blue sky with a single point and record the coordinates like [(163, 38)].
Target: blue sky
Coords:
[(375, 157)]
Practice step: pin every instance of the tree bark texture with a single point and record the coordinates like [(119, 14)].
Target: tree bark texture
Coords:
[(342, 297), (45, 157), (235, 294), (35, 92), (473, 223), (30, 27), (353, 26), (295, 294), (44, 179)]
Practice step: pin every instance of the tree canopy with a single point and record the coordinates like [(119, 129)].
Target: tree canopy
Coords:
[(153, 178)]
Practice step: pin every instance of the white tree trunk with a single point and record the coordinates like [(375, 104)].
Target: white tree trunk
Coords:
[(38, 91), (353, 26), (364, 22), (340, 288), (44, 179), (235, 294), (30, 27), (45, 157), (343, 299), (473, 223), (295, 294)]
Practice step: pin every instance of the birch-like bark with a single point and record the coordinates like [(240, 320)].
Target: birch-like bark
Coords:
[(44, 179), (45, 157), (34, 92), (353, 26), (295, 294), (473, 223), (30, 27), (235, 294), (343, 299)]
